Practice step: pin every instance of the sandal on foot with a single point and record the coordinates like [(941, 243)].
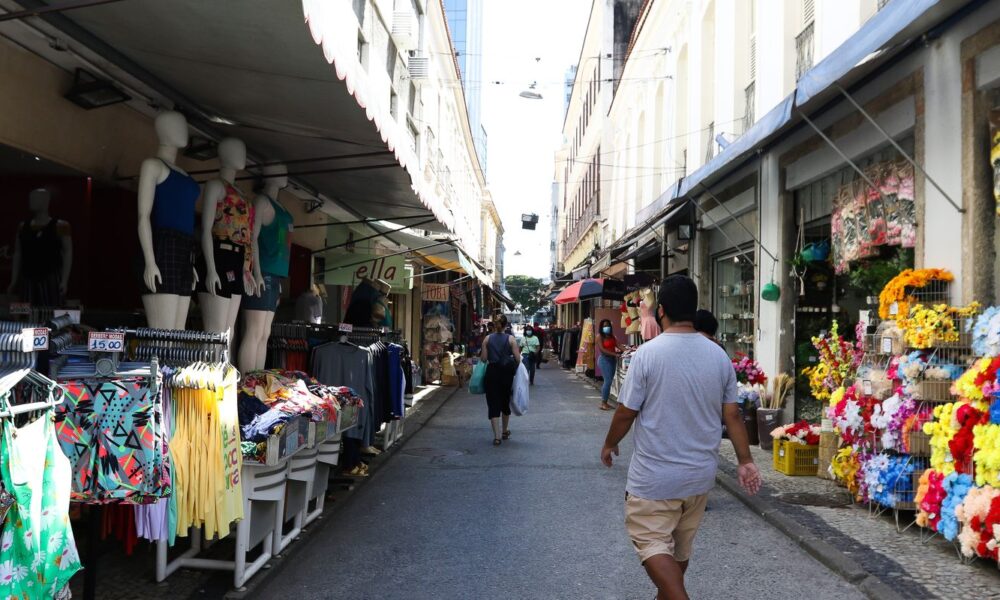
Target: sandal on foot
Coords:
[(496, 442), (605, 407), (506, 435)]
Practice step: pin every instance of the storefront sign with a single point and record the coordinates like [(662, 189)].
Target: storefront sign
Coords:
[(350, 269), (436, 292)]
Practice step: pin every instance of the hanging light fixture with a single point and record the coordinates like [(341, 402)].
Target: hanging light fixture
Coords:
[(89, 91), (530, 93)]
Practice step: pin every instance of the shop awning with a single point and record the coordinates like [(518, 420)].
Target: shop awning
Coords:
[(508, 302), (641, 251), (889, 29), (587, 289), (447, 257), (276, 75)]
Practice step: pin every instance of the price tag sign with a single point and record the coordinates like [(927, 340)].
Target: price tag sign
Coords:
[(345, 328), (894, 308), (886, 345), (20, 309), (105, 341), (867, 387), (39, 338)]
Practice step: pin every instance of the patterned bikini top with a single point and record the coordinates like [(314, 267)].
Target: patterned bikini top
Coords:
[(233, 218)]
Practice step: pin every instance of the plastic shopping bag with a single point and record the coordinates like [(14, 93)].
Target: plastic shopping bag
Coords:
[(519, 398), (476, 385)]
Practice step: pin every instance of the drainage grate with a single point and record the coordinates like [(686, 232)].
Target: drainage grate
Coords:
[(432, 452), (823, 500)]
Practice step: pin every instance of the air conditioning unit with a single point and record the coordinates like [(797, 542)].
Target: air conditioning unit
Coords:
[(404, 29), (419, 67)]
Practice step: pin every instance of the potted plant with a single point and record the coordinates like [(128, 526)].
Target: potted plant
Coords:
[(769, 416)]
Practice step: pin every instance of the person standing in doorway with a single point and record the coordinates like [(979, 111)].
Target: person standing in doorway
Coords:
[(502, 355), (607, 359), (679, 389), (706, 324), (530, 345)]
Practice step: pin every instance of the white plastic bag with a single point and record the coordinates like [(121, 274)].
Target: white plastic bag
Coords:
[(519, 397)]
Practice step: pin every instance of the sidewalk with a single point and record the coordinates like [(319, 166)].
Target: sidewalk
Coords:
[(865, 549)]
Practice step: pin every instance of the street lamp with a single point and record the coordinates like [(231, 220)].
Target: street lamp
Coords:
[(530, 93)]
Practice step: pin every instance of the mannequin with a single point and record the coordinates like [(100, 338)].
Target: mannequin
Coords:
[(167, 197), (227, 269), (309, 306), (272, 232), (43, 254), (369, 305)]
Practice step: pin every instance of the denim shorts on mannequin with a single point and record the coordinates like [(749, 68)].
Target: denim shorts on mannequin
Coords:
[(268, 301)]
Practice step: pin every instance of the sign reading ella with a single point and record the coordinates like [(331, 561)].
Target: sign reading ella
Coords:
[(350, 269)]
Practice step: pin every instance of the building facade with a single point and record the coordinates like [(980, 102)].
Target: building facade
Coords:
[(465, 22)]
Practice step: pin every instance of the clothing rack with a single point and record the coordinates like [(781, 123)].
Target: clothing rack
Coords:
[(13, 353), (15, 326), (11, 378), (176, 346)]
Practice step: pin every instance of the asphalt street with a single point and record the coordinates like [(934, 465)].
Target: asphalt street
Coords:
[(452, 516)]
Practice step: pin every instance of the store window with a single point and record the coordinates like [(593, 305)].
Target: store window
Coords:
[(850, 241), (733, 303)]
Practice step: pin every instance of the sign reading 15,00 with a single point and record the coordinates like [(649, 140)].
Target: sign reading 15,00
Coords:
[(105, 341)]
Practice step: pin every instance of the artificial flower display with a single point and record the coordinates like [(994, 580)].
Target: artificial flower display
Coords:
[(839, 360), (887, 480), (890, 417), (799, 433), (926, 327), (748, 394), (973, 513), (896, 291), (930, 496), (845, 466), (956, 486), (986, 332), (987, 453), (748, 370), (980, 381), (941, 430), (961, 444)]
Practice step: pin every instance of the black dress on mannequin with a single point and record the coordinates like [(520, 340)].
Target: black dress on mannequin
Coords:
[(41, 263)]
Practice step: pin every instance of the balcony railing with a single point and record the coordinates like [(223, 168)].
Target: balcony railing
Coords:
[(804, 51), (576, 230), (750, 95)]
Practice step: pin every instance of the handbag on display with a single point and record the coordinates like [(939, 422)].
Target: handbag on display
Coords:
[(519, 397), (476, 385)]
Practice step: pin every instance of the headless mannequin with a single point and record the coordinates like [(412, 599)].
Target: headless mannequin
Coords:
[(218, 312), (163, 311), (38, 204), (257, 323)]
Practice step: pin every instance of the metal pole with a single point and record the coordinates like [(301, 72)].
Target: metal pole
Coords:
[(372, 236), (337, 268), (724, 234), (70, 5), (733, 217), (363, 221), (841, 153), (899, 148)]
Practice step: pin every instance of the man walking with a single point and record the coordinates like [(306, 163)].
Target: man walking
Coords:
[(679, 389)]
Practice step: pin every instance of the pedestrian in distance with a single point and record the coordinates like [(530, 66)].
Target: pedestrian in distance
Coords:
[(706, 324), (679, 389), (530, 347), (502, 355), (607, 358)]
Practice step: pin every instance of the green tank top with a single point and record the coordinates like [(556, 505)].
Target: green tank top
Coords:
[(275, 242)]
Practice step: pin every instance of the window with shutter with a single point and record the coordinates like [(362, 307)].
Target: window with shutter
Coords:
[(808, 11)]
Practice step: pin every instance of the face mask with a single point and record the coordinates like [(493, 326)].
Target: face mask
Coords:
[(607, 331), (529, 333)]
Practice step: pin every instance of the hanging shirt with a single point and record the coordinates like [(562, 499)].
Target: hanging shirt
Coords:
[(274, 243), (348, 365)]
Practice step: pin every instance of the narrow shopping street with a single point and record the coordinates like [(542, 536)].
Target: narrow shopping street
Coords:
[(450, 516)]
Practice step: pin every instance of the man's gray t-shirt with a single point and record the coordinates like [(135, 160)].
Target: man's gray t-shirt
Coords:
[(678, 382)]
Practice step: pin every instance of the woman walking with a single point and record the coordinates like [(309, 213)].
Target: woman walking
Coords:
[(502, 355), (609, 350)]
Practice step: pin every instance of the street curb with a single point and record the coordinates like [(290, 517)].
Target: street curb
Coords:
[(425, 411), (833, 559)]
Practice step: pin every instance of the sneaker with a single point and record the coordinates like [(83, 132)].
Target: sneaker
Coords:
[(371, 451)]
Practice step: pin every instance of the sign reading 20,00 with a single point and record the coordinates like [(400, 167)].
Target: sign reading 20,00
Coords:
[(105, 341)]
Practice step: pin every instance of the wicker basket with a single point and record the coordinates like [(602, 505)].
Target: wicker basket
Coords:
[(919, 443), (828, 446), (795, 459), (932, 391)]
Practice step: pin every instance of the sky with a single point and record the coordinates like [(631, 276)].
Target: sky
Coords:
[(523, 135)]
